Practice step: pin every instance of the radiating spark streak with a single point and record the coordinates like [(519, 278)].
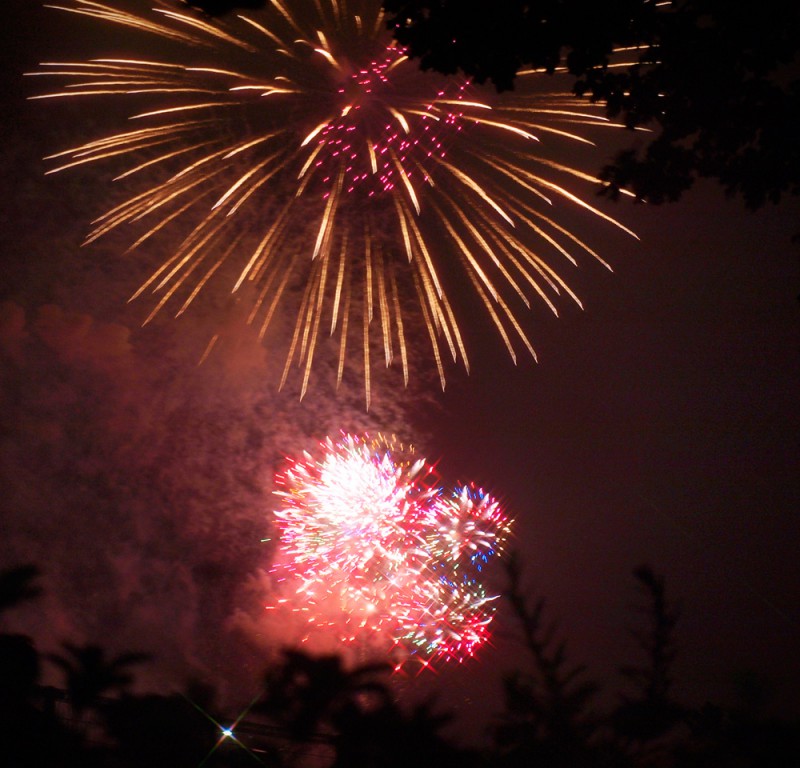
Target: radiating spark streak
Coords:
[(70, 94), (261, 28), (406, 181), (252, 190), (140, 62), (339, 281), (96, 10), (215, 71), (312, 156), (169, 110), (286, 15), (267, 90), (244, 179), (518, 175), (400, 119), (487, 249), (257, 253), (575, 239), (307, 324), (398, 316), (429, 325), (315, 320), (163, 223), (404, 230), (373, 161), (396, 63), (557, 132), (209, 29), (327, 218), (494, 316), (505, 127), (409, 225), (368, 273), (297, 330), (462, 103), (103, 156), (160, 159), (139, 206), (583, 204), (171, 191), (200, 283), (440, 319), (187, 255), (211, 344), (249, 145), (465, 251), (367, 316), (329, 56), (275, 300), (569, 113), (165, 266), (450, 322), (506, 247), (343, 336), (310, 137), (469, 182)]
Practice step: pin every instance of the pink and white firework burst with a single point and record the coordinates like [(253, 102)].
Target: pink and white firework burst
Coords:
[(371, 548)]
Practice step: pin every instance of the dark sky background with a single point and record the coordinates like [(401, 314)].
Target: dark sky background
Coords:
[(661, 425)]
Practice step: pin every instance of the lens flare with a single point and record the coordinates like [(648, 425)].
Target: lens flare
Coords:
[(298, 152), (373, 550)]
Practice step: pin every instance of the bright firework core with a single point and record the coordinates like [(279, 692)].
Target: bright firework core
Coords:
[(374, 550)]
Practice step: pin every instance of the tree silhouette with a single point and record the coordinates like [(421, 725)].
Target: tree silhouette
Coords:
[(30, 734), (651, 712), (16, 586), (308, 695), (89, 674), (546, 721), (316, 699)]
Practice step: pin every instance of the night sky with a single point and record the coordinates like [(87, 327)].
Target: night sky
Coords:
[(661, 425)]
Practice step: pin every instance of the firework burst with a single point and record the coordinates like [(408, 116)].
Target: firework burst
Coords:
[(302, 148), (373, 550)]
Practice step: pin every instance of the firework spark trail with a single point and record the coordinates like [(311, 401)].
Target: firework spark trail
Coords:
[(371, 547), (318, 140)]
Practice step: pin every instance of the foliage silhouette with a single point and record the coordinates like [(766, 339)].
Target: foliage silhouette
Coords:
[(650, 713), (317, 698), (16, 586), (716, 80), (308, 695), (30, 734), (339, 717), (547, 720), (89, 674)]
